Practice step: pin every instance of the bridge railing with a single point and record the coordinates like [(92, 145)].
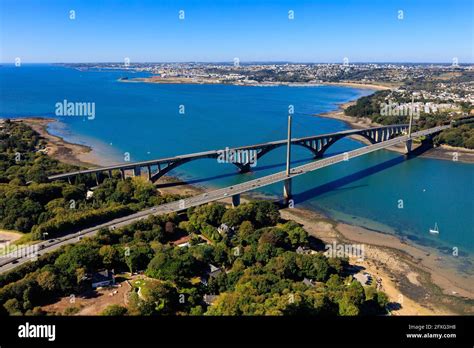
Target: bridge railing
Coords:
[(214, 153)]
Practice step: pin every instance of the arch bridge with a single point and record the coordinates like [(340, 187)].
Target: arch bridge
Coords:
[(244, 157)]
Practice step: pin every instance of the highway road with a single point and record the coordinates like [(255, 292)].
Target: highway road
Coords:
[(9, 261)]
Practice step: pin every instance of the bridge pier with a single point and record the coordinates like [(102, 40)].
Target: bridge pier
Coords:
[(408, 145), (318, 154), (287, 190), (235, 200), (149, 172), (244, 168), (137, 171), (428, 141)]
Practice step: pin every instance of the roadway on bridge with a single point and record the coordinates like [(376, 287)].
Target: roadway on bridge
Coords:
[(214, 153), (9, 261)]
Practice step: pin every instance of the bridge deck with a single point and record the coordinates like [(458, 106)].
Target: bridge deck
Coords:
[(6, 262), (213, 153), (281, 176)]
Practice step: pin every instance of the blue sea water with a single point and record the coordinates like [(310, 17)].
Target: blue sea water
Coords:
[(144, 120)]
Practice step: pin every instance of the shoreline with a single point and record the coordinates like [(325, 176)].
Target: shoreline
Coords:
[(378, 244), (372, 86), (197, 81), (64, 151), (409, 275), (442, 152)]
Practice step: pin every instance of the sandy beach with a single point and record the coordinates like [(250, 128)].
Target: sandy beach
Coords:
[(418, 279), (214, 81), (75, 154), (373, 86)]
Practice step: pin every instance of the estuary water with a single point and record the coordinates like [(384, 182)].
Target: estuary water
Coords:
[(147, 121)]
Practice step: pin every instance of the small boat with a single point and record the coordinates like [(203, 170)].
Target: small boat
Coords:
[(434, 230)]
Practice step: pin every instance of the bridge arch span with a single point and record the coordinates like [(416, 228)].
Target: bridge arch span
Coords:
[(317, 151), (246, 167), (154, 177), (326, 142), (243, 168), (373, 137), (365, 136), (316, 144)]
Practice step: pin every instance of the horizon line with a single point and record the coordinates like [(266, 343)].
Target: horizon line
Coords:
[(246, 62)]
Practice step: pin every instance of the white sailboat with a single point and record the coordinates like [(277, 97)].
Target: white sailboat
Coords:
[(435, 230)]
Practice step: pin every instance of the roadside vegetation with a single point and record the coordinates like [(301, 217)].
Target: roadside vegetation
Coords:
[(29, 203), (256, 269), (236, 261)]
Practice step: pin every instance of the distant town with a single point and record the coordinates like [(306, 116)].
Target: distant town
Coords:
[(438, 87)]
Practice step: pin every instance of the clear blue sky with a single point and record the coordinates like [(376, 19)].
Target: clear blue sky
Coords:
[(213, 30)]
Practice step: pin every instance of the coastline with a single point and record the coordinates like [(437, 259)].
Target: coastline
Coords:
[(408, 270), (372, 86), (442, 152), (410, 275), (208, 81), (57, 147)]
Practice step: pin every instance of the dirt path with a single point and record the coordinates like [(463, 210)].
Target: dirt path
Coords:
[(94, 302)]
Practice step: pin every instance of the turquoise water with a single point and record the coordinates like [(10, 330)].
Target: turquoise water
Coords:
[(145, 121)]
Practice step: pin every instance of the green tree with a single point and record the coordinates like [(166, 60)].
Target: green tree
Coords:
[(143, 190), (83, 255), (314, 266), (347, 308), (266, 213), (13, 306), (110, 256), (114, 310), (164, 296), (73, 192), (246, 230), (175, 265), (137, 256), (47, 281), (231, 217)]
